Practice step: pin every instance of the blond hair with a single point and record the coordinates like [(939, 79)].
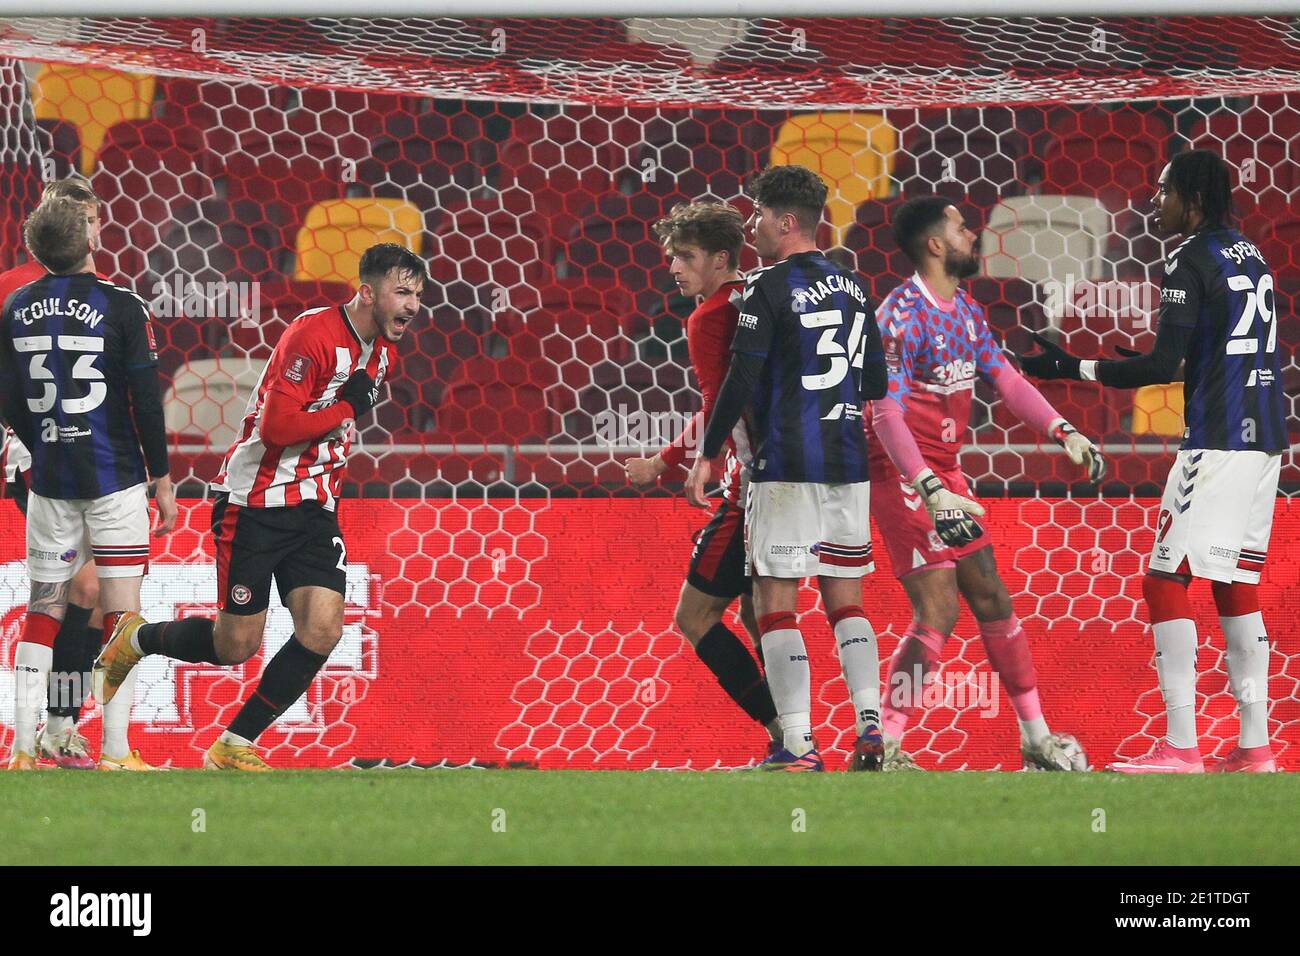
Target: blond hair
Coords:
[(57, 235)]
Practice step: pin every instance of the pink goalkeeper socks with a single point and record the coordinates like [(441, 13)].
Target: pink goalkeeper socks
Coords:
[(914, 661), (1008, 651)]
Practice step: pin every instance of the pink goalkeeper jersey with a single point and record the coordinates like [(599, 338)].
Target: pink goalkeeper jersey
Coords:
[(933, 350)]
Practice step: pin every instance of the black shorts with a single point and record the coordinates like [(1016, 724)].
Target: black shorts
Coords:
[(718, 561), (298, 545)]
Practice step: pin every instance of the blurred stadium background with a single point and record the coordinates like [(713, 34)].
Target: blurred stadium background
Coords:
[(511, 596)]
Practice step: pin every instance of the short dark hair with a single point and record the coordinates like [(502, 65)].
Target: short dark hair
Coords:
[(791, 189), (916, 220), (57, 235), (713, 226), (381, 259), (1201, 178)]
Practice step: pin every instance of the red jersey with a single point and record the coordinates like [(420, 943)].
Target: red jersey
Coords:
[(19, 276), (14, 456), (310, 363), (709, 332), (933, 351)]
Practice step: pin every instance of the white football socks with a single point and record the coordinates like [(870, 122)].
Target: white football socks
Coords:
[(860, 661), (1176, 669), (117, 719), (1248, 653), (32, 665), (790, 681)]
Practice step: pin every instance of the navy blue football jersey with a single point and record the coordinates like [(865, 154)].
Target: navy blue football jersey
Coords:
[(1217, 283), (70, 343), (814, 325)]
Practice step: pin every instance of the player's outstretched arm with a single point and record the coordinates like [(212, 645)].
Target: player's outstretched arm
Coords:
[(1028, 404), (1155, 368)]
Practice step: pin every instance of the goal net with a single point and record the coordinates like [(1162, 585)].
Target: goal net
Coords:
[(510, 595)]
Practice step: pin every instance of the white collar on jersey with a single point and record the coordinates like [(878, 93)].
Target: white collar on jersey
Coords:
[(347, 319), (931, 297)]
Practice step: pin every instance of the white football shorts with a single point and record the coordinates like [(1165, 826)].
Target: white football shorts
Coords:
[(797, 529), (62, 535), (1217, 514)]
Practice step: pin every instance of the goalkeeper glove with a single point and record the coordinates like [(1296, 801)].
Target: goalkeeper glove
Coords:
[(1081, 450), (952, 514), (1052, 362), (359, 391)]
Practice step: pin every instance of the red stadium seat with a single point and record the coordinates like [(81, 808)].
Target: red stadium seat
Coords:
[(967, 154), (431, 160), (700, 154), (1114, 155), (1277, 233), (227, 112), (559, 166), (488, 254), (146, 171), (1260, 143), (286, 174), (487, 411), (617, 243)]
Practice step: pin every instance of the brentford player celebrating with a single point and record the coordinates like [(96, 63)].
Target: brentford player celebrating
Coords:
[(703, 242), (936, 341), (805, 356), (1217, 313), (274, 514)]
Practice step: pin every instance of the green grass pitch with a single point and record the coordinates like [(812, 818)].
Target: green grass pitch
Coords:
[(607, 817)]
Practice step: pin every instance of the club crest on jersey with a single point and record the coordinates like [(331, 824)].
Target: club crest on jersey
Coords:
[(893, 358), (297, 368), (240, 595)]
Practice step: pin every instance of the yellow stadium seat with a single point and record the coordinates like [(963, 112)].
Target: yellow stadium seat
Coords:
[(853, 152), (336, 232), (1158, 410), (91, 99)]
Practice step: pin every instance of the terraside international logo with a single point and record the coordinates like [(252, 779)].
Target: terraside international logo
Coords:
[(78, 909)]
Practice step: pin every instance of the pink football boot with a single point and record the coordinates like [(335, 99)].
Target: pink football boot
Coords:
[(1246, 760), (1163, 759)]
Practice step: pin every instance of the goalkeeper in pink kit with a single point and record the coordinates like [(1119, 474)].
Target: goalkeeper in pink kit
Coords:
[(936, 342)]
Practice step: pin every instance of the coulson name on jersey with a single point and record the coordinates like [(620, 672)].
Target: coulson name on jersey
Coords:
[(49, 308), (824, 287)]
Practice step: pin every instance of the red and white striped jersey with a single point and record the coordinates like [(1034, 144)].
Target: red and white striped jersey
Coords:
[(310, 363)]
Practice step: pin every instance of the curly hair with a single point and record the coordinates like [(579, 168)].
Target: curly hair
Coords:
[(791, 189), (712, 226)]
